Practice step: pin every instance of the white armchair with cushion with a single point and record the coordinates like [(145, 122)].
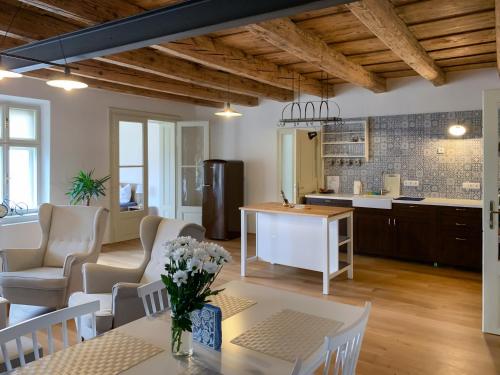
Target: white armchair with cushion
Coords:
[(46, 276), (116, 287)]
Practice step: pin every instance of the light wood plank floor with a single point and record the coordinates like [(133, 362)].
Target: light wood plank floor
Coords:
[(425, 320)]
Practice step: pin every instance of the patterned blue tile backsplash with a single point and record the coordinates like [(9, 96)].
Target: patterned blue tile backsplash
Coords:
[(408, 145)]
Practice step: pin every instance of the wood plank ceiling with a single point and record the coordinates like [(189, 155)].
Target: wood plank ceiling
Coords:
[(363, 43)]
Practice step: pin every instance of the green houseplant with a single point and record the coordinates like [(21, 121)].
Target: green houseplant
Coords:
[(84, 187)]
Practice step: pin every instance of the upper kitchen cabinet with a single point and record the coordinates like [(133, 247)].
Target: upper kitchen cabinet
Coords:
[(298, 163)]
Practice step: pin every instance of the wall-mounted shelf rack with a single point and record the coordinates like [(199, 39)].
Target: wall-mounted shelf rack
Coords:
[(346, 140)]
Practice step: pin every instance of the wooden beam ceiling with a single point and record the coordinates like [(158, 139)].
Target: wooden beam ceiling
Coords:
[(46, 74), (30, 25), (201, 50), (284, 34), (112, 73), (381, 18), (497, 31), (208, 51)]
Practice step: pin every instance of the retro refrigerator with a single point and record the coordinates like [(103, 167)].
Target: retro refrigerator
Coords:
[(222, 198)]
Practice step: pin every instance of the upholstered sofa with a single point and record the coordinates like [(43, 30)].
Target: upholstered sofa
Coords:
[(116, 288)]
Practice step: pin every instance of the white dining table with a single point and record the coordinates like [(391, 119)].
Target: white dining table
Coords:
[(234, 359)]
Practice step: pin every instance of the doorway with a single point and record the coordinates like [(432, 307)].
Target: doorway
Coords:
[(156, 169)]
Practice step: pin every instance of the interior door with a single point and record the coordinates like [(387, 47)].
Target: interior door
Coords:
[(129, 174), (491, 255), (307, 163), (287, 178), (192, 150)]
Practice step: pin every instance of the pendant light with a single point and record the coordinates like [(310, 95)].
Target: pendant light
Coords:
[(4, 73), (67, 82), (228, 112)]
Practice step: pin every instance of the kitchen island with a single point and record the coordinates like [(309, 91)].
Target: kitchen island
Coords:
[(303, 236)]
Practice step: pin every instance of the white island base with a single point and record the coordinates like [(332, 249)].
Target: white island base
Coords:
[(305, 238)]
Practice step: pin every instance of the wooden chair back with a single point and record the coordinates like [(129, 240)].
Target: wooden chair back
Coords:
[(151, 294), (45, 322)]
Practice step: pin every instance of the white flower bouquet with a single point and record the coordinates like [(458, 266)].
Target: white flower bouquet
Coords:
[(191, 268)]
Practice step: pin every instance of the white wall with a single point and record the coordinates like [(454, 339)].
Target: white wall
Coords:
[(80, 126), (252, 138), (79, 132)]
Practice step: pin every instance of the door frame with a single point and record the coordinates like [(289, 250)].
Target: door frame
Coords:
[(115, 115), (491, 262)]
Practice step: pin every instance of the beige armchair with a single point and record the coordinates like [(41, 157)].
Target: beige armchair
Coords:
[(116, 288), (46, 276)]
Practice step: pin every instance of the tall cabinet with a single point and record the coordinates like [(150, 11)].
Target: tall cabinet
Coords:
[(298, 162)]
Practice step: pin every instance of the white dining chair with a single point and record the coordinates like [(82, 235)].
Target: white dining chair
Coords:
[(154, 297), (342, 349), (43, 322), (296, 367)]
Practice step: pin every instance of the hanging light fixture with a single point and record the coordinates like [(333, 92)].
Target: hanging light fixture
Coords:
[(228, 112), (67, 82), (4, 73)]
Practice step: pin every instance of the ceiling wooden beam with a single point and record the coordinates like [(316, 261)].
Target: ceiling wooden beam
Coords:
[(31, 26), (116, 74), (202, 50), (87, 12), (46, 75), (382, 20), (113, 73), (286, 35), (209, 52), (497, 31)]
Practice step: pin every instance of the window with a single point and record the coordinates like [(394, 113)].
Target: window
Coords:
[(20, 156)]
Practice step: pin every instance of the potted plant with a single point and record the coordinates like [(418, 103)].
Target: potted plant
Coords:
[(191, 269), (84, 187)]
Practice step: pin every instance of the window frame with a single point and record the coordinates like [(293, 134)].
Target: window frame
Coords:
[(6, 143)]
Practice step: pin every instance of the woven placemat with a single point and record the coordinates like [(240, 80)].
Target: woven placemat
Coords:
[(230, 305), (288, 335), (109, 354)]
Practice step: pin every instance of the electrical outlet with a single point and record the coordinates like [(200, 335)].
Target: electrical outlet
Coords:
[(412, 183), (471, 185), (440, 150)]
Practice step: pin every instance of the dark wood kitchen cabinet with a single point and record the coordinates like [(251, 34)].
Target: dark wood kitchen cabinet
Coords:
[(414, 232), (460, 237), (373, 232), (450, 236)]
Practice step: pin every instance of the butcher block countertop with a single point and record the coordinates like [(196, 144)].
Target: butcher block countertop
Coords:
[(301, 209)]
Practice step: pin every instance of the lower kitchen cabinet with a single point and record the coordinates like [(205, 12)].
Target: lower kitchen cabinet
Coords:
[(373, 232), (414, 232), (450, 236), (460, 235)]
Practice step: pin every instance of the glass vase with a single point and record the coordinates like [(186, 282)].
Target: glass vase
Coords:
[(181, 338)]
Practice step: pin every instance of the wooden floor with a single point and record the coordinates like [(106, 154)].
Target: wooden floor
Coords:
[(425, 320)]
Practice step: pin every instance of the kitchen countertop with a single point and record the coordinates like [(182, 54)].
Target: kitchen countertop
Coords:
[(301, 209), (473, 203)]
